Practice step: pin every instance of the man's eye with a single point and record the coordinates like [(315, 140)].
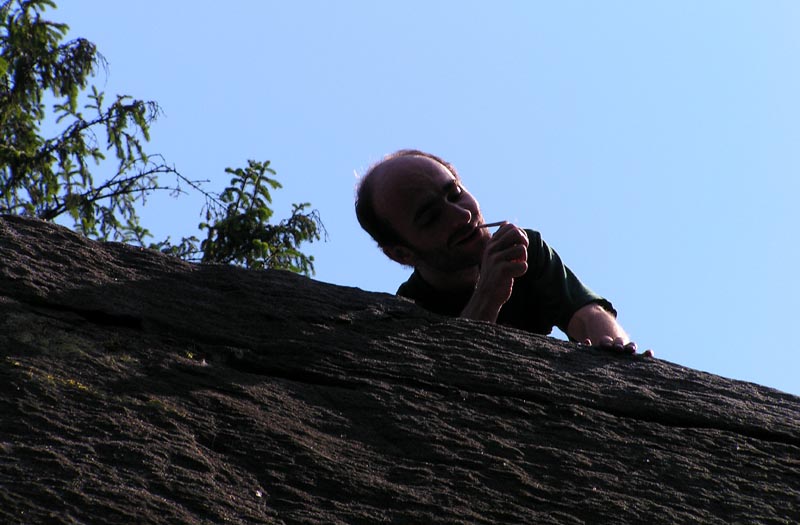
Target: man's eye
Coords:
[(455, 193)]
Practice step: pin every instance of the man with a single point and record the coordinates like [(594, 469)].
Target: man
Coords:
[(416, 208)]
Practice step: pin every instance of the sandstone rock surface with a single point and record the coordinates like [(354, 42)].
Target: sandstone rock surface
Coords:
[(136, 388)]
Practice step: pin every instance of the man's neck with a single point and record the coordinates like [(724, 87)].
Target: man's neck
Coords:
[(454, 281)]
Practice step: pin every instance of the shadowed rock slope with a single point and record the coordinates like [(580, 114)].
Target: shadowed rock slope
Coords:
[(136, 388)]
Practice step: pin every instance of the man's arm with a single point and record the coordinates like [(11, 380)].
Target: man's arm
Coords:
[(504, 260), (594, 325)]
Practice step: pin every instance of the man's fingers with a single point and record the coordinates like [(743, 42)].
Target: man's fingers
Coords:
[(617, 344), (606, 341), (515, 253), (507, 258), (611, 343), (508, 235)]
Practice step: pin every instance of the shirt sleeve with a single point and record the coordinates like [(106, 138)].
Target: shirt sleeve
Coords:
[(549, 293)]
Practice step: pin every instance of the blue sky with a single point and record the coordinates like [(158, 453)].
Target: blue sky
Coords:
[(654, 144)]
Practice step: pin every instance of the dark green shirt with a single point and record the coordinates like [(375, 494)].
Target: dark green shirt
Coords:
[(546, 296)]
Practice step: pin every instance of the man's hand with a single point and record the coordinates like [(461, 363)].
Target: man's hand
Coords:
[(505, 259), (593, 325), (618, 344)]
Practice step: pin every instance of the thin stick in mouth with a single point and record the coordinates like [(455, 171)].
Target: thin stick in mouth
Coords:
[(492, 224)]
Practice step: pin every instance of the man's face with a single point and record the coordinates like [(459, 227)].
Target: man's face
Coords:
[(432, 212)]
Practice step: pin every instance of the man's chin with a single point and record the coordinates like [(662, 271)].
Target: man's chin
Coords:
[(460, 257), (473, 250), (479, 236), (451, 262), (468, 258)]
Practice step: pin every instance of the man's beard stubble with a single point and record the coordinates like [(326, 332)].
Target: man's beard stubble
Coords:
[(450, 260)]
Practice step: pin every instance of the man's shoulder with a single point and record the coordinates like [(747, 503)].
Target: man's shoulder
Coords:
[(414, 287), (406, 288), (425, 295), (536, 245), (533, 235)]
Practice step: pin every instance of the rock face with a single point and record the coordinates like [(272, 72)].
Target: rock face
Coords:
[(136, 388)]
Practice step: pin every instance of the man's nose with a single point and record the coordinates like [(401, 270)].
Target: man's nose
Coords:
[(459, 215)]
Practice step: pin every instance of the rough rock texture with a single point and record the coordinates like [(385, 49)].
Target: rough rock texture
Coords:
[(135, 388)]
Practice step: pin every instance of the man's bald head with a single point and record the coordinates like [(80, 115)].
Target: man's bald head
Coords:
[(396, 164)]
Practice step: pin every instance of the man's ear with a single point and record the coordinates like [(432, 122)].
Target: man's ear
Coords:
[(400, 254)]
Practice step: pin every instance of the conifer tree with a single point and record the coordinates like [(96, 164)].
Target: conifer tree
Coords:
[(46, 80)]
